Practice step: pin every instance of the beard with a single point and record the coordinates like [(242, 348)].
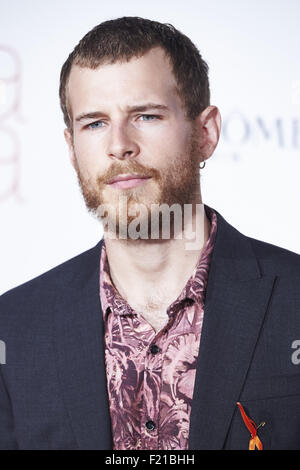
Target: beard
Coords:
[(178, 183)]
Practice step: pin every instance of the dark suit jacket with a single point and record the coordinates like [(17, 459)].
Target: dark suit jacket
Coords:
[(53, 386)]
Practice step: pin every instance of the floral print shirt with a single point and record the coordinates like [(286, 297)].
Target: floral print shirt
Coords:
[(151, 376)]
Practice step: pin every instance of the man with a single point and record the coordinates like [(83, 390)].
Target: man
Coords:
[(147, 342)]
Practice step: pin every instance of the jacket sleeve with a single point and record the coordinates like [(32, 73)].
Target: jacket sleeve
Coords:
[(7, 436)]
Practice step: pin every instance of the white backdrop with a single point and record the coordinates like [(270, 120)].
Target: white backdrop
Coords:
[(252, 49)]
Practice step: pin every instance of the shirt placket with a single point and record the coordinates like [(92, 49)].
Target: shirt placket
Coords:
[(151, 393)]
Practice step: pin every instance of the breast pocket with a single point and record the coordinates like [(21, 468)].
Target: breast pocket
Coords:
[(275, 402)]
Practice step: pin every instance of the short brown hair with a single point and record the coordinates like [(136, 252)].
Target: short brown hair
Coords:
[(126, 37)]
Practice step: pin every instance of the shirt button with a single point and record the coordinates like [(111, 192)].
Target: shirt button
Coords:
[(154, 349), (150, 425)]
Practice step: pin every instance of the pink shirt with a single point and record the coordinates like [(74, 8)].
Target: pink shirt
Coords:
[(151, 376)]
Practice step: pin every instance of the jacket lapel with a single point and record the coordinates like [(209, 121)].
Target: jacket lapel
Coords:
[(236, 302), (78, 340)]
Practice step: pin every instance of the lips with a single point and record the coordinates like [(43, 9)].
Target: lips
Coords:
[(127, 181), (126, 178)]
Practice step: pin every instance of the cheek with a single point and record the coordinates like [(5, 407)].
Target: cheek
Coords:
[(172, 151), (88, 156)]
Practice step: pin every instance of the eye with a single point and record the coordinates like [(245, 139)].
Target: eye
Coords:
[(95, 125), (150, 117)]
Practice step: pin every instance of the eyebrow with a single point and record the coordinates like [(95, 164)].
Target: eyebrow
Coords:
[(131, 109)]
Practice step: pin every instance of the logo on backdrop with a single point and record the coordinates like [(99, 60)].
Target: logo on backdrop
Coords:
[(10, 116), (239, 130)]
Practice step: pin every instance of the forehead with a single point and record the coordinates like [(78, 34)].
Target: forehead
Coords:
[(146, 78)]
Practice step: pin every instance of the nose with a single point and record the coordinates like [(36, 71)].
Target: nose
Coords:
[(121, 145)]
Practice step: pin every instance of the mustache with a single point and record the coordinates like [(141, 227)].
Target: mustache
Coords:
[(132, 168)]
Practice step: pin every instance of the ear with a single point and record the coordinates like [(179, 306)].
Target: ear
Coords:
[(209, 125), (69, 140)]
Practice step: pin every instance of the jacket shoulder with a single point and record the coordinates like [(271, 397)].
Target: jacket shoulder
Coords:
[(275, 259), (68, 273)]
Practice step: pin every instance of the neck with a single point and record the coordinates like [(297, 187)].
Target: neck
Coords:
[(160, 267)]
